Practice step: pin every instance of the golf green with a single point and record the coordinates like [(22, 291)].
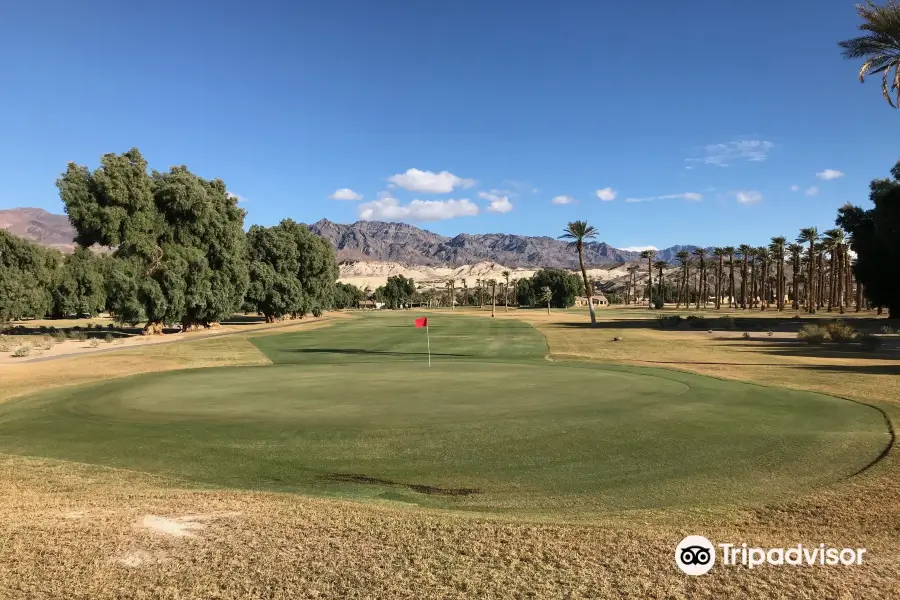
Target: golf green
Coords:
[(354, 410)]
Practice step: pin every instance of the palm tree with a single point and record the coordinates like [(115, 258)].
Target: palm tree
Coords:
[(465, 293), (515, 283), (776, 247), (451, 284), (880, 47), (720, 254), (684, 259), (632, 283), (795, 250), (506, 291), (729, 250), (659, 265), (701, 254), (579, 232), (546, 296), (649, 254), (745, 251), (810, 235), (493, 284), (762, 253)]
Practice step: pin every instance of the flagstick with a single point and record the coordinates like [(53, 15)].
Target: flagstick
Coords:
[(428, 337)]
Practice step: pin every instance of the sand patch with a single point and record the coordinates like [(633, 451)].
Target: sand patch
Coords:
[(178, 527)]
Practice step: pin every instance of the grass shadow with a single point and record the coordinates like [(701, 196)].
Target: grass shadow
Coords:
[(363, 352)]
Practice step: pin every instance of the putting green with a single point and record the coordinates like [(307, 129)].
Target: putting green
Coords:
[(353, 410)]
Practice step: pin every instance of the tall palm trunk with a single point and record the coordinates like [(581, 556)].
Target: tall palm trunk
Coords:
[(731, 289), (587, 289), (493, 297)]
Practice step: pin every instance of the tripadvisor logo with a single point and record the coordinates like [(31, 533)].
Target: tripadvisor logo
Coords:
[(696, 555)]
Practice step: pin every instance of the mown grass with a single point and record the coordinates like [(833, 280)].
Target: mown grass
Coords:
[(64, 526), (354, 410)]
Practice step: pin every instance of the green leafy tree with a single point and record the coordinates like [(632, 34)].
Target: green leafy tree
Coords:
[(397, 291), (874, 236), (27, 273), (579, 232), (80, 284), (180, 236), (525, 293), (292, 271), (564, 286)]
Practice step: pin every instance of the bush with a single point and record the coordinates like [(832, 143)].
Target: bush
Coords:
[(728, 323), (108, 338), (813, 334), (22, 351), (95, 343), (769, 333), (869, 342), (5, 346), (746, 335), (59, 337), (669, 321), (317, 312), (840, 332), (658, 303), (888, 329), (698, 322), (78, 336)]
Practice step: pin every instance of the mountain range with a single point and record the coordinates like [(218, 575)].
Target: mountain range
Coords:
[(379, 241)]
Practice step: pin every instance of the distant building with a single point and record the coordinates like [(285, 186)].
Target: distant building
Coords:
[(598, 300)]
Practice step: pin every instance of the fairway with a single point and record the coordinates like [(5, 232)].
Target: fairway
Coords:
[(354, 411)]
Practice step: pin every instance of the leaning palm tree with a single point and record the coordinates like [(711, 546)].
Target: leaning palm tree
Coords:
[(579, 232), (659, 265), (810, 235), (506, 291), (648, 255), (879, 47), (547, 296)]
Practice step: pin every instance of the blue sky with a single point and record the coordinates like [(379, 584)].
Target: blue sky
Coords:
[(465, 116)]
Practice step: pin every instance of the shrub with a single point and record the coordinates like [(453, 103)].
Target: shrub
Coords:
[(698, 322), (668, 321), (728, 323), (95, 343), (869, 342), (78, 336), (46, 342), (813, 334), (840, 332), (658, 303), (108, 338), (888, 329), (5, 346), (22, 351), (317, 312), (110, 326), (746, 335), (59, 337), (769, 333)]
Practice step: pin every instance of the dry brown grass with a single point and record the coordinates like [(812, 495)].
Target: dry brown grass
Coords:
[(64, 526)]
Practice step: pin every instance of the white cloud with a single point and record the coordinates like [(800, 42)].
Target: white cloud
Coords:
[(795, 188), (563, 200), (829, 174), (390, 209), (499, 203), (721, 155), (606, 194), (345, 194), (748, 196), (237, 197), (638, 248), (428, 182), (812, 191), (692, 196)]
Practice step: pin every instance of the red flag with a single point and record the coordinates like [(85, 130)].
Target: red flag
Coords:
[(422, 322)]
